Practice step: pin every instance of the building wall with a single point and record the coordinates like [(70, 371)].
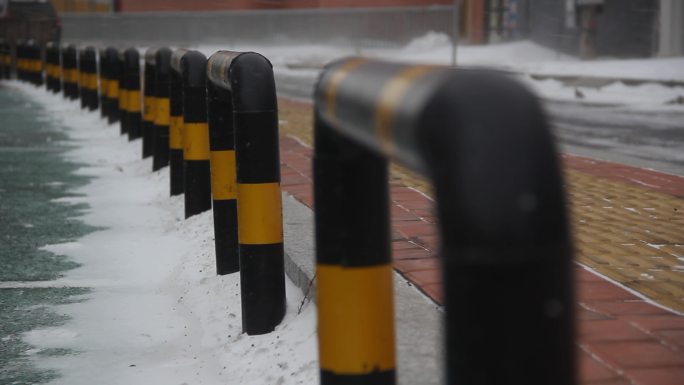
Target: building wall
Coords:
[(82, 5), (209, 5), (625, 28)]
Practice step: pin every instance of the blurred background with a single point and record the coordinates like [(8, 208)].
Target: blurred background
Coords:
[(587, 28)]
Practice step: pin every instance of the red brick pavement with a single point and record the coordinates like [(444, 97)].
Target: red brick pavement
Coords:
[(622, 338)]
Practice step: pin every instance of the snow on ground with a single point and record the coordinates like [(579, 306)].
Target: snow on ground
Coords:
[(522, 57), (158, 314)]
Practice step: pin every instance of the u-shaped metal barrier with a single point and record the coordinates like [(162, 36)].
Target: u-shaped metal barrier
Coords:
[(243, 82), (484, 142)]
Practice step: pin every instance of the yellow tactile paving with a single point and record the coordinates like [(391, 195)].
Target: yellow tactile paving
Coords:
[(631, 234)]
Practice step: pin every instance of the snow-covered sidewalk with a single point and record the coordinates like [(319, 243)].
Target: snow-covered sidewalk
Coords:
[(157, 312)]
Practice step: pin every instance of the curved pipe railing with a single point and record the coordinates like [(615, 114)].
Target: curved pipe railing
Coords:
[(243, 82), (484, 142)]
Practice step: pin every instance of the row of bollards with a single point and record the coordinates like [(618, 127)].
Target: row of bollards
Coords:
[(480, 137), (219, 138)]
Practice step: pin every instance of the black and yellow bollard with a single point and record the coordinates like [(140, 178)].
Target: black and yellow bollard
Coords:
[(249, 79), (506, 252), (70, 72), (223, 178), (131, 80), (34, 63), (88, 78), (53, 69), (160, 152), (82, 79), (103, 81), (85, 76), (20, 60), (197, 178), (353, 264), (113, 68), (176, 124), (5, 60), (89, 72), (123, 93), (149, 102)]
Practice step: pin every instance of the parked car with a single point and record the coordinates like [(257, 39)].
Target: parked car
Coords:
[(29, 20)]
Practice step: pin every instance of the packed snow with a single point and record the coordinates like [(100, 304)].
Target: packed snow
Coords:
[(157, 313), (523, 58)]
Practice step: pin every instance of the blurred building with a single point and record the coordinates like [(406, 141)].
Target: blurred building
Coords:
[(83, 5), (615, 28), (587, 28)]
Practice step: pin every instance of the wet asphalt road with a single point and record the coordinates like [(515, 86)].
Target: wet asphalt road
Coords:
[(640, 138), (32, 174)]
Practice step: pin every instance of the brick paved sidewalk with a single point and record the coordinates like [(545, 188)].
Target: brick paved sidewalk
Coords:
[(628, 225)]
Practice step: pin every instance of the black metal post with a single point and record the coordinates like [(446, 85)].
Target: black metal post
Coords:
[(196, 134), (70, 72), (223, 179), (249, 78), (131, 81), (162, 112), (176, 125), (149, 102)]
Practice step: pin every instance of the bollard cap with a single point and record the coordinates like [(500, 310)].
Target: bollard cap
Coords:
[(193, 69), (151, 56)]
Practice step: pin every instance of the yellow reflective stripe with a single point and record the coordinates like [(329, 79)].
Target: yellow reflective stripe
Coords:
[(260, 215), (92, 82), (123, 99), (113, 89), (391, 95), (149, 103), (176, 132), (162, 112), (71, 75), (196, 141), (355, 318), (133, 102), (335, 81), (223, 178)]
